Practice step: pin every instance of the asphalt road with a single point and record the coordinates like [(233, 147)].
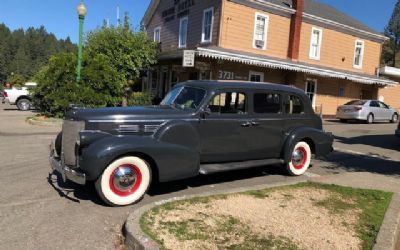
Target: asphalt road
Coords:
[(38, 212)]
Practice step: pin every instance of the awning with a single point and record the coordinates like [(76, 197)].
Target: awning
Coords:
[(274, 63)]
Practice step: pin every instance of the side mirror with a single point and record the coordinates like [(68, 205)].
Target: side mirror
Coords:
[(205, 112)]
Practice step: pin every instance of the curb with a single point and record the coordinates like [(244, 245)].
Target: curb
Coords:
[(44, 123), (136, 239), (389, 232)]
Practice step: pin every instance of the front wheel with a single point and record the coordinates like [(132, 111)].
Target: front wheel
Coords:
[(300, 159), (125, 181), (23, 104)]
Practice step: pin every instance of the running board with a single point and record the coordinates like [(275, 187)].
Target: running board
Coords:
[(222, 167)]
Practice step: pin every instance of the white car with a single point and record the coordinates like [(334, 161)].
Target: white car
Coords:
[(19, 96), (367, 110)]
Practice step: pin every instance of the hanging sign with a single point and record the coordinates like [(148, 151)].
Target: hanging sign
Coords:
[(188, 58)]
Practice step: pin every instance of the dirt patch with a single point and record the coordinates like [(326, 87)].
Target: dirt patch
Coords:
[(299, 218)]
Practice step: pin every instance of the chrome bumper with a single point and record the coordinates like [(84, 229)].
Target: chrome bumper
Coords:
[(65, 171)]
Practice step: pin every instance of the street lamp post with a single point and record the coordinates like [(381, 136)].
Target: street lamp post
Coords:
[(82, 11)]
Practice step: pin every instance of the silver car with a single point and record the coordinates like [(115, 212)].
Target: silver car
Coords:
[(367, 110)]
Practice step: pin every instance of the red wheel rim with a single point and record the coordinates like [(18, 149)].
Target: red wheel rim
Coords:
[(121, 178), (299, 158)]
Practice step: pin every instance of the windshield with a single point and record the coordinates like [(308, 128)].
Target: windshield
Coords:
[(356, 102), (184, 97)]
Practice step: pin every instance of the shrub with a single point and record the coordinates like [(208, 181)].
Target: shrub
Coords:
[(140, 99)]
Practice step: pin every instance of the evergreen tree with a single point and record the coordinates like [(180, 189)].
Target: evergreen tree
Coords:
[(392, 30)]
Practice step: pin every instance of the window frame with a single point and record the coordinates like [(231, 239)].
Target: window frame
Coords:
[(318, 56), (257, 14), (261, 74), (361, 54), (180, 45), (315, 81), (237, 91), (158, 28), (203, 40)]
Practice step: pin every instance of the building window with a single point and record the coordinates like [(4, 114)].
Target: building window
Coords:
[(183, 28), (256, 76), (358, 54), (315, 45), (260, 31), (311, 90), (208, 16), (157, 34)]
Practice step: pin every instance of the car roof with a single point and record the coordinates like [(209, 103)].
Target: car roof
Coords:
[(215, 85)]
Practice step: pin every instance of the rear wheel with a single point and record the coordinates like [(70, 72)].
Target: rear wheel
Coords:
[(395, 118), (343, 120), (125, 181), (370, 118), (23, 104), (300, 159)]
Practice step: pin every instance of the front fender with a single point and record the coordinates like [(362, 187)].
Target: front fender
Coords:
[(322, 141), (173, 161)]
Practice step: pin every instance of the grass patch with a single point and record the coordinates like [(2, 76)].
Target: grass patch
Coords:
[(228, 232)]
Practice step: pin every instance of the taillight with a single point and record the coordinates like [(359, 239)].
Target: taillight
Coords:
[(358, 108), (5, 94)]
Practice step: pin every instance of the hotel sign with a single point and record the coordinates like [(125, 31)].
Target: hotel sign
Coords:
[(180, 9)]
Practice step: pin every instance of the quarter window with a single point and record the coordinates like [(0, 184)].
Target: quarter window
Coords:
[(267, 103), (358, 54), (228, 103), (183, 28), (208, 16), (315, 46), (260, 31), (157, 34), (294, 105)]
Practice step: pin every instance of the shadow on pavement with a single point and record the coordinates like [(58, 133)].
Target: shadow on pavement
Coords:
[(362, 163), (391, 142)]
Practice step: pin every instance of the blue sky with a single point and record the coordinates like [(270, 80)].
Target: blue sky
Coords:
[(60, 18)]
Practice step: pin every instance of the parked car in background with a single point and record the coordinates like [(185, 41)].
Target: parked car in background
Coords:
[(367, 110), (201, 127), (19, 96)]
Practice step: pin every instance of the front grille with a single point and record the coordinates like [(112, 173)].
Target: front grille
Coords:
[(70, 135)]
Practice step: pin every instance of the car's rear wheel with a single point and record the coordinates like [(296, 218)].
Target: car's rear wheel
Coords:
[(395, 118), (125, 181), (343, 120), (300, 159), (23, 104), (370, 119)]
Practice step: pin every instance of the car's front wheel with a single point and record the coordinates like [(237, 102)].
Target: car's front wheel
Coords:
[(23, 104), (125, 181), (300, 159)]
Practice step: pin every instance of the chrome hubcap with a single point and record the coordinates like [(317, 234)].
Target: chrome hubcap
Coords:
[(297, 157), (124, 179), (24, 105)]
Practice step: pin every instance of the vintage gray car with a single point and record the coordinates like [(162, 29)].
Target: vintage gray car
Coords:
[(201, 127)]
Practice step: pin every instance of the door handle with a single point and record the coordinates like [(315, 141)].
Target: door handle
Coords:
[(246, 124)]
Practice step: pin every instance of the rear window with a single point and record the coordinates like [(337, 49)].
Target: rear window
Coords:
[(294, 105), (356, 102)]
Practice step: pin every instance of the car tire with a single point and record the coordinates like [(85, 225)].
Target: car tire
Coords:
[(125, 181), (24, 104), (370, 119), (300, 159), (395, 118), (343, 120)]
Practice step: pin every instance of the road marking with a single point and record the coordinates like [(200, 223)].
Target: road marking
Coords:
[(366, 154)]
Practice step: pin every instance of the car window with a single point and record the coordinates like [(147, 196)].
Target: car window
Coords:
[(228, 103), (294, 105), (374, 104), (382, 105), (267, 103), (356, 102)]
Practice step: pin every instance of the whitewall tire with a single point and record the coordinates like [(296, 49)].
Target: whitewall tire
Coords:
[(300, 159), (125, 181)]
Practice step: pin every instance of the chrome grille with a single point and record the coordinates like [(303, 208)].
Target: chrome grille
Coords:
[(70, 135)]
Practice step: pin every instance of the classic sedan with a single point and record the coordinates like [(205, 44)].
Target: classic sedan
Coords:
[(367, 110)]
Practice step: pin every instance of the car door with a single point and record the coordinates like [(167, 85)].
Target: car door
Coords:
[(386, 112), (265, 136), (375, 110), (224, 129)]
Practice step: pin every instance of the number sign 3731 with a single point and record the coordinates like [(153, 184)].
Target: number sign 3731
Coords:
[(226, 75)]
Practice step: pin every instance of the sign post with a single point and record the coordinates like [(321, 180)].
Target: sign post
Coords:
[(188, 58)]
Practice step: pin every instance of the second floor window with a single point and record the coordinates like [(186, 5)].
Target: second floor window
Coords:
[(183, 28), (260, 31), (358, 54), (315, 46), (206, 35), (157, 34)]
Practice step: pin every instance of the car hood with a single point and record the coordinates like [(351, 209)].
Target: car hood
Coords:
[(120, 114)]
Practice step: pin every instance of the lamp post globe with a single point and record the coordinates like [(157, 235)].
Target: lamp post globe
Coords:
[(82, 11)]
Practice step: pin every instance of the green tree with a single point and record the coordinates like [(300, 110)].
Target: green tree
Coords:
[(16, 80), (127, 52), (392, 30)]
